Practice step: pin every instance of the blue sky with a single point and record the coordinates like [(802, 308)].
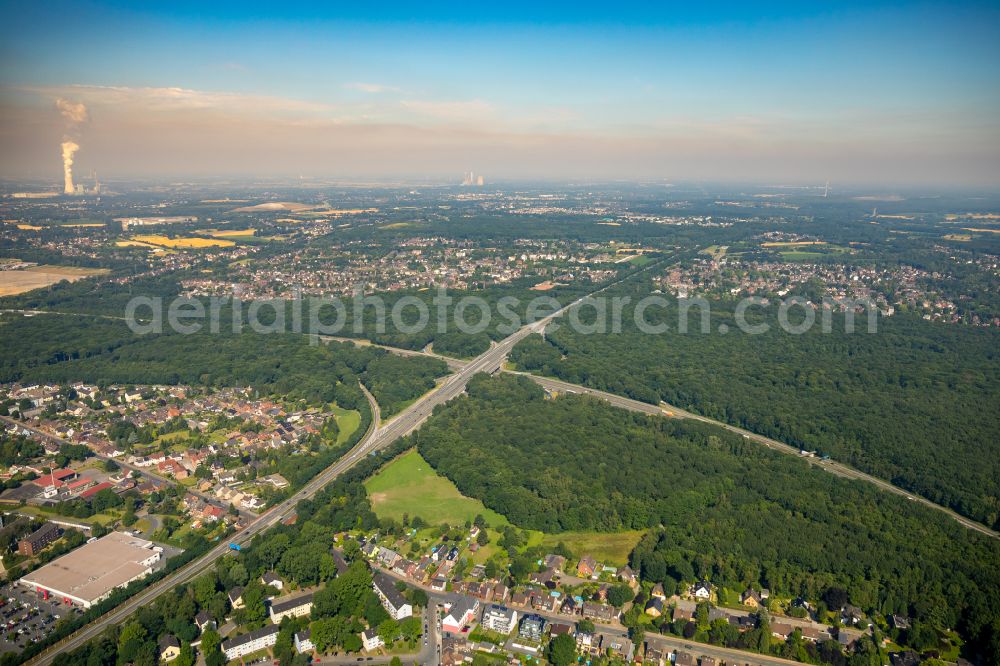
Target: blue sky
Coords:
[(897, 91)]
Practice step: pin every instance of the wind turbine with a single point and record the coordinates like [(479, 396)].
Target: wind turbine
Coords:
[(826, 189)]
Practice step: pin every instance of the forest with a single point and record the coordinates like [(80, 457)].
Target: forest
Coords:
[(717, 506), (914, 403), (106, 352)]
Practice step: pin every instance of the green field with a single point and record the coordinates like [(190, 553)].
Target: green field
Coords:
[(606, 547), (409, 485), (348, 421)]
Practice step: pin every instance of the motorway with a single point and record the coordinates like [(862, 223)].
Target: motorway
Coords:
[(378, 437), (664, 409), (832, 466), (381, 435)]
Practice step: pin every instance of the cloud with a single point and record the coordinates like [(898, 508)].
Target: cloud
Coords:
[(74, 112), (171, 99), (474, 110), (371, 88)]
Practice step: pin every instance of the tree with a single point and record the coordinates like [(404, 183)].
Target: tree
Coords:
[(210, 642), (410, 628), (562, 650), (619, 595), (482, 538), (388, 631), (186, 657), (585, 626), (419, 598)]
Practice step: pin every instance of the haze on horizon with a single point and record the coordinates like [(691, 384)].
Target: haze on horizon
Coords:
[(891, 93)]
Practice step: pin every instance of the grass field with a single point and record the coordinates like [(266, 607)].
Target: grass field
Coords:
[(183, 242), (607, 547), (410, 485), (348, 421), (18, 282)]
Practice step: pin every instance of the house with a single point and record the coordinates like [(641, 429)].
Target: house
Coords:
[(587, 644), (684, 610), (499, 619), (751, 598), (547, 603), (683, 659), (439, 583), (899, 622), (627, 576), (655, 607), (500, 593), (615, 645), (236, 597), (39, 539), (544, 577), (170, 648), (460, 614), (599, 612), (295, 607), (245, 644), (204, 621), (393, 601), (370, 639), (560, 628), (273, 579), (655, 655), (387, 557), (532, 627), (701, 590), (556, 562), (586, 567), (303, 642), (907, 658), (571, 605), (658, 592), (781, 630)]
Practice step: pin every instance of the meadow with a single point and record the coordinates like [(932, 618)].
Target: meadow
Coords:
[(409, 485)]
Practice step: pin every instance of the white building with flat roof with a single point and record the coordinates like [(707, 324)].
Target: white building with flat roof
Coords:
[(93, 571)]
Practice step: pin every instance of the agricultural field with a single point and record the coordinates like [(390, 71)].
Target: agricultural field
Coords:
[(182, 242), (36, 277)]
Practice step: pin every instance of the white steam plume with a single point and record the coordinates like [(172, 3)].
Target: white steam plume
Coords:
[(69, 148), (74, 112)]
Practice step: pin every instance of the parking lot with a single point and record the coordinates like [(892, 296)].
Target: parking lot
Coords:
[(26, 617)]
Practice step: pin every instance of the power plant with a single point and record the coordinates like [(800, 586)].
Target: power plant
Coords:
[(472, 180)]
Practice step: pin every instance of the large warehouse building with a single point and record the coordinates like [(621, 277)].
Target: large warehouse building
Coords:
[(91, 572)]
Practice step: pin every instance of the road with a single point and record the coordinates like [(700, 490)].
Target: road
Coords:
[(669, 643), (664, 409), (378, 437)]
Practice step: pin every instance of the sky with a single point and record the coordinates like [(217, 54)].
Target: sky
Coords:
[(793, 93)]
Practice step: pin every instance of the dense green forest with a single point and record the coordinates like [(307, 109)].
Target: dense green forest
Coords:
[(718, 506), (915, 403), (105, 352)]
